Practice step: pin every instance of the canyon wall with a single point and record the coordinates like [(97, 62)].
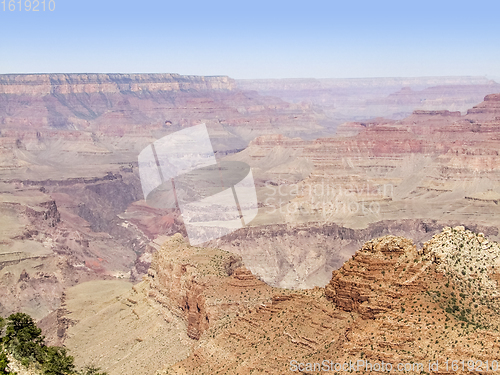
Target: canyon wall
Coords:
[(320, 199), (120, 105), (73, 140), (45, 84), (432, 164)]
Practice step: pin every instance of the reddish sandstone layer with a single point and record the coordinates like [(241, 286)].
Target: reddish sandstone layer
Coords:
[(202, 286), (390, 303), (37, 84), (380, 274)]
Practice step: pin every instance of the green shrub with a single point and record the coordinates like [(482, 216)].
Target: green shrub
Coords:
[(57, 362), (3, 363), (23, 338)]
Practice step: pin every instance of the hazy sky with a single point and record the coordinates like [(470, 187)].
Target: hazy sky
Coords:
[(258, 39)]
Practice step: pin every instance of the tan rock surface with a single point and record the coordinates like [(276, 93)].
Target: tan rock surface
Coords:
[(152, 325), (390, 302)]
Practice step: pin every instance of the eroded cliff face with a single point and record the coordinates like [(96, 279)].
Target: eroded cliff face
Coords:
[(391, 303), (37, 84), (34, 260), (304, 255), (202, 286), (486, 111), (320, 200), (61, 232), (383, 271), (187, 291), (139, 105)]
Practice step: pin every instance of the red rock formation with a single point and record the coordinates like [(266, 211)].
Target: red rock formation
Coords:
[(392, 304), (32, 84), (202, 286), (380, 274), (487, 111)]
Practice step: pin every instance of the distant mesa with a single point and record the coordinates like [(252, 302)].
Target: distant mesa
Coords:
[(492, 98), (37, 84)]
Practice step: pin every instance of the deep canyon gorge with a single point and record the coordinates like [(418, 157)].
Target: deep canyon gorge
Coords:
[(336, 164)]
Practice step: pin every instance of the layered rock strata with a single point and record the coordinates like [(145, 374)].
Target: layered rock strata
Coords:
[(390, 304)]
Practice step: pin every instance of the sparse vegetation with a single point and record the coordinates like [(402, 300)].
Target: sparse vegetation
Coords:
[(443, 310)]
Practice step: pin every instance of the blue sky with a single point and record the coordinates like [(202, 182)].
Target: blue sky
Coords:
[(258, 39)]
